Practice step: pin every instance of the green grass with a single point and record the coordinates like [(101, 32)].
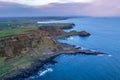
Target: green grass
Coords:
[(17, 63), (5, 33), (59, 25)]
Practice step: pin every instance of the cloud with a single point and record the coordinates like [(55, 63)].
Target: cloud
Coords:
[(104, 8), (95, 8), (13, 9), (43, 2)]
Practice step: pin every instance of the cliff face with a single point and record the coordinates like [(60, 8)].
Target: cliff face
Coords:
[(27, 43)]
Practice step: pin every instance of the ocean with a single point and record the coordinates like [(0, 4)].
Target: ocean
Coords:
[(105, 37)]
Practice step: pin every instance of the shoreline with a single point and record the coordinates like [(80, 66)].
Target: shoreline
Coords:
[(50, 32), (39, 64)]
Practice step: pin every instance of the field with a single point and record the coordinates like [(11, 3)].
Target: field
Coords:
[(8, 32), (16, 63)]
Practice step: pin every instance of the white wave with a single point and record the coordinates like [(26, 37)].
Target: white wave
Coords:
[(45, 71), (78, 47), (40, 73), (110, 55), (70, 38), (83, 48)]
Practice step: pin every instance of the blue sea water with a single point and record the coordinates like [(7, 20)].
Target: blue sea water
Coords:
[(105, 37)]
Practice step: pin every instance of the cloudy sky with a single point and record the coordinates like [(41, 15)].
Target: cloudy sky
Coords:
[(59, 8)]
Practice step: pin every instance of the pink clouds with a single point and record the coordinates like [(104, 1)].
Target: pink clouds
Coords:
[(95, 8), (104, 8)]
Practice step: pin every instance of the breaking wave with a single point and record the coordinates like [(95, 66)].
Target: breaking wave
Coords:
[(41, 73)]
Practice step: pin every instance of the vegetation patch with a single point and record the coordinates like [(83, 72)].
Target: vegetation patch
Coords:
[(9, 32)]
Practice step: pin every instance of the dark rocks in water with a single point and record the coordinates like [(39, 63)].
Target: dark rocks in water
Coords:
[(84, 33), (81, 33), (74, 33), (71, 49), (89, 52)]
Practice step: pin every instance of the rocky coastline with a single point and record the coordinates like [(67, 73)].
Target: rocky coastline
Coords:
[(51, 34), (33, 68)]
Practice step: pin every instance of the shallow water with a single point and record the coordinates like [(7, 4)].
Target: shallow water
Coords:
[(105, 37)]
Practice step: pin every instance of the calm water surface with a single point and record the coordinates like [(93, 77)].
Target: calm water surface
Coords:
[(105, 37)]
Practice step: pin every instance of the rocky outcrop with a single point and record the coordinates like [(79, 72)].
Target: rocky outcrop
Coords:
[(84, 33), (75, 33), (57, 30)]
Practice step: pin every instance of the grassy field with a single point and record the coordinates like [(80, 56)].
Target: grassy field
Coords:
[(17, 63), (58, 25), (5, 33)]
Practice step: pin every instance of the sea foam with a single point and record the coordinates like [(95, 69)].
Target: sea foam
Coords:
[(70, 38), (109, 55), (45, 71)]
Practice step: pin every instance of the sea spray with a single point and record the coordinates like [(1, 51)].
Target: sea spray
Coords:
[(41, 73), (70, 38)]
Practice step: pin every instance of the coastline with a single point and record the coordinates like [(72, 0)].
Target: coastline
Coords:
[(39, 63)]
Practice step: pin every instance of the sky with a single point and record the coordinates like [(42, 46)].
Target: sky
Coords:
[(43, 2), (99, 8)]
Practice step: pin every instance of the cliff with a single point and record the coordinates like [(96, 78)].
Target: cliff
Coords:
[(27, 43)]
